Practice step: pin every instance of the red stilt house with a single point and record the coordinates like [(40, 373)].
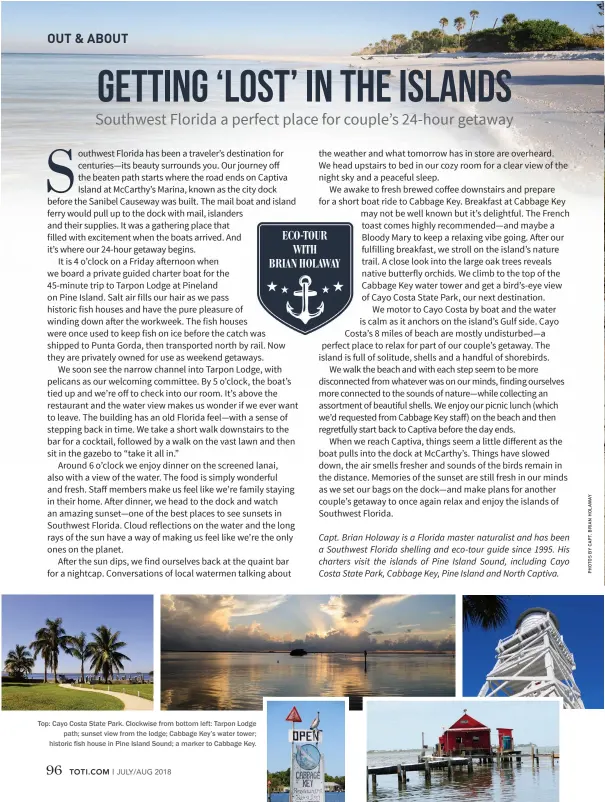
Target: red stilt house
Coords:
[(505, 739), (466, 735)]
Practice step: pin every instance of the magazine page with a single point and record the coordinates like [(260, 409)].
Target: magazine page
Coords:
[(302, 458)]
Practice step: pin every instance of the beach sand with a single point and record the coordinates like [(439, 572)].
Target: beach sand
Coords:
[(557, 96)]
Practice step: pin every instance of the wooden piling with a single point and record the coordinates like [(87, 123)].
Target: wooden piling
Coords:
[(399, 780), (449, 767), (470, 765), (427, 772), (373, 783)]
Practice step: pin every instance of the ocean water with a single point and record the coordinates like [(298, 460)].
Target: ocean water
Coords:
[(54, 98), (40, 675), (509, 783), (238, 681)]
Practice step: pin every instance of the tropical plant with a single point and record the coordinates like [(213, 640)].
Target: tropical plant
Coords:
[(80, 649), (42, 646), (50, 640), (459, 25), (19, 662), (385, 45), (510, 20), (398, 40), (104, 652), (488, 612), (444, 22), (473, 15)]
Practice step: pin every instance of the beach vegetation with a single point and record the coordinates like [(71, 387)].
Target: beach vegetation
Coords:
[(487, 612), (19, 662), (104, 652), (510, 20), (514, 36), (459, 25), (80, 648), (49, 642), (511, 36), (592, 41), (42, 647)]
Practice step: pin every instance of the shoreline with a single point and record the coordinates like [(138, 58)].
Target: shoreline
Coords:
[(391, 58)]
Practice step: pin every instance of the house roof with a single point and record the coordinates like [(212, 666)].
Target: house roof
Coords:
[(467, 722), (468, 729)]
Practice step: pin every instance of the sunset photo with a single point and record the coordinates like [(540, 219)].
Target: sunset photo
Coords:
[(227, 652)]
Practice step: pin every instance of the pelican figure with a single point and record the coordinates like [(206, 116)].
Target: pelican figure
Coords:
[(315, 722)]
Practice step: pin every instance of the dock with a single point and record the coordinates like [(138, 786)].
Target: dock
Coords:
[(430, 764), (427, 766)]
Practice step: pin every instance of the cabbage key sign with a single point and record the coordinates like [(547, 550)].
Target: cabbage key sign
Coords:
[(307, 770)]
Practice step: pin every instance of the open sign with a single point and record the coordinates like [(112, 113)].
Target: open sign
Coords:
[(305, 736)]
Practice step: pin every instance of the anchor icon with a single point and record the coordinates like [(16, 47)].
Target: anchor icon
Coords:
[(304, 315)]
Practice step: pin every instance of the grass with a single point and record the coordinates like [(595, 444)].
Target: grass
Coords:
[(23, 696), (145, 691)]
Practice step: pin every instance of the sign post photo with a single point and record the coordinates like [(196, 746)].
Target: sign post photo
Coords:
[(307, 775)]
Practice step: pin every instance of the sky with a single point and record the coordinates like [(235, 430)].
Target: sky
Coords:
[(399, 725), (347, 623), (132, 616), (332, 724), (581, 625), (262, 28)]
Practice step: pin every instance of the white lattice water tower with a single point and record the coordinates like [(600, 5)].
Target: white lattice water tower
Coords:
[(534, 662)]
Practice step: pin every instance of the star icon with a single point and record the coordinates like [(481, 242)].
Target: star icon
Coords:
[(271, 286), (284, 289), (338, 287), (326, 289)]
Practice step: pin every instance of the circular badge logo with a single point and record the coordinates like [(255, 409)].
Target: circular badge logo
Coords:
[(308, 757)]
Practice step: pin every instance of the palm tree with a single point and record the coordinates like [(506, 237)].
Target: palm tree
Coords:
[(444, 22), (19, 662), (398, 39), (508, 20), (459, 24), (80, 649), (488, 612), (54, 639), (104, 653), (41, 646), (473, 15), (385, 45)]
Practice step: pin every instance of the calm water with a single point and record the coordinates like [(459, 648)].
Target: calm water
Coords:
[(238, 681), (116, 678), (54, 98), (486, 784)]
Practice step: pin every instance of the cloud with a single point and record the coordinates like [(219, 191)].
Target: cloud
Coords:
[(204, 622), (214, 623), (353, 613)]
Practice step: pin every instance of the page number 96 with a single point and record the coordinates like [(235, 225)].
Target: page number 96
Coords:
[(54, 770)]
